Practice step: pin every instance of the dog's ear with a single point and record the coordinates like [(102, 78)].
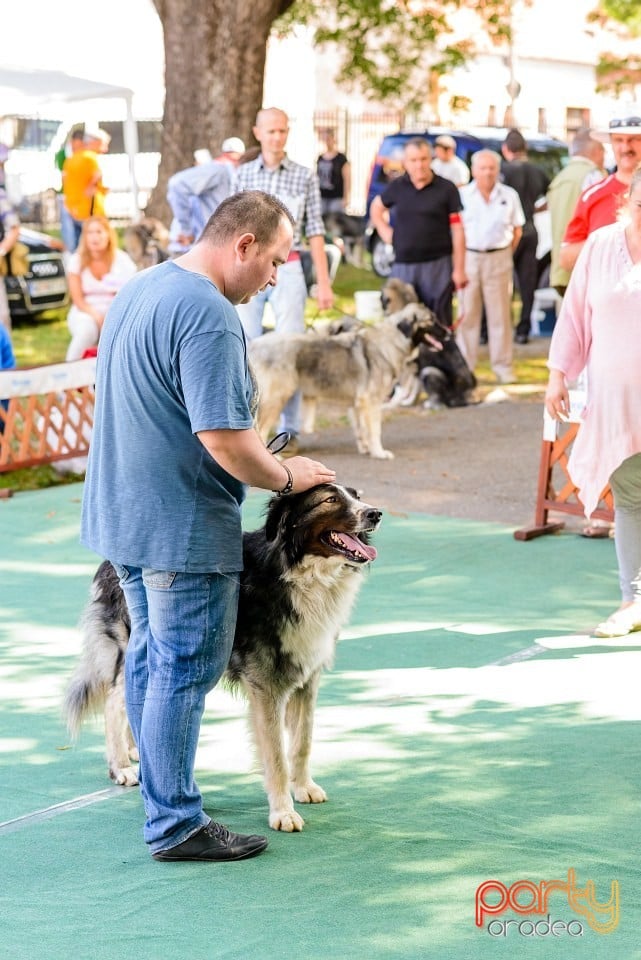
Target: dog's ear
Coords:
[(408, 320), (410, 294), (277, 510)]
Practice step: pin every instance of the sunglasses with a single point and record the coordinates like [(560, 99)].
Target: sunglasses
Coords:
[(625, 122), (279, 442)]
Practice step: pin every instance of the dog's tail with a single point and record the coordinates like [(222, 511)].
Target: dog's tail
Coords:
[(81, 699), (101, 662)]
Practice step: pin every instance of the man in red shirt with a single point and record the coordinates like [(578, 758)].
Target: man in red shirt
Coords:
[(599, 204)]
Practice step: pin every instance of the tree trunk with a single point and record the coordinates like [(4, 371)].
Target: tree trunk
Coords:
[(215, 54)]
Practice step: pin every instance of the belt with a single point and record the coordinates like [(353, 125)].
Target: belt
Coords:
[(294, 255), (491, 250)]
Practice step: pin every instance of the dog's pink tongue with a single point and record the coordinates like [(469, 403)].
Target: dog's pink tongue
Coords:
[(357, 546)]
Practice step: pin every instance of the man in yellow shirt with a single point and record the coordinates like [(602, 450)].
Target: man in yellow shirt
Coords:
[(82, 187)]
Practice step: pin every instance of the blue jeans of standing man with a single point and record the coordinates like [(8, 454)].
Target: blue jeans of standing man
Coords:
[(287, 300), (70, 229), (182, 632)]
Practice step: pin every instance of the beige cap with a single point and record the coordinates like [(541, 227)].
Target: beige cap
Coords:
[(445, 141)]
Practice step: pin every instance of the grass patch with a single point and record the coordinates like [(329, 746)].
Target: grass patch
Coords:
[(45, 340), (36, 478), (42, 340)]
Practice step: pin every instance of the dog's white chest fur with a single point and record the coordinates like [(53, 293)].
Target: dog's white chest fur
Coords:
[(323, 592)]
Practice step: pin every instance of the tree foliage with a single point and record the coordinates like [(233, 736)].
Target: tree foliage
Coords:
[(390, 49), (215, 52), (621, 18)]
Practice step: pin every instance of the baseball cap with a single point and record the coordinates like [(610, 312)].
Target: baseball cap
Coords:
[(233, 145), (96, 133), (630, 123), (445, 141)]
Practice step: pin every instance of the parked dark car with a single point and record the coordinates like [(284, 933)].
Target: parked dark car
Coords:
[(44, 286), (547, 152)]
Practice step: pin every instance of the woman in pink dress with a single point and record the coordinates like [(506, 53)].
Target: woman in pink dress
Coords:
[(599, 329)]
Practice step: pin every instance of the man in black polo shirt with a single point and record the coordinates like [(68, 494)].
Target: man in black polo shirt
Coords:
[(427, 233)]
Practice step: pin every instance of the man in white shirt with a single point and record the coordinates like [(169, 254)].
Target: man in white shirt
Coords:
[(493, 221), (447, 164)]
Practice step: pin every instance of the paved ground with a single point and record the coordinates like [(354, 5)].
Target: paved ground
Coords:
[(478, 462)]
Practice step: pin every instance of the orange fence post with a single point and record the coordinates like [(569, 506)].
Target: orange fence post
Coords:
[(555, 491)]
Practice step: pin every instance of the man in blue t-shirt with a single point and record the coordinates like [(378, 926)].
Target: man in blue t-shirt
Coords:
[(425, 229), (173, 447)]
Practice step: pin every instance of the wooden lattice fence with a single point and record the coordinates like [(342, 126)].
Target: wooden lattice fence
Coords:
[(46, 413)]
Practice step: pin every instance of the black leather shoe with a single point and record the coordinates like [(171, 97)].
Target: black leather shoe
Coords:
[(214, 842), (521, 338)]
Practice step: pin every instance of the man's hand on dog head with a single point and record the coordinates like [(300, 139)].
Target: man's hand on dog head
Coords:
[(308, 473)]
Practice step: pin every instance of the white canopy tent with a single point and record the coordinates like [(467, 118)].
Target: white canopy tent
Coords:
[(25, 91)]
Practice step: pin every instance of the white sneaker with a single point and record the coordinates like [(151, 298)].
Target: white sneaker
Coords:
[(621, 622)]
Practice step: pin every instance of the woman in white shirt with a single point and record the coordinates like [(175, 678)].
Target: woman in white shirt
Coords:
[(96, 272)]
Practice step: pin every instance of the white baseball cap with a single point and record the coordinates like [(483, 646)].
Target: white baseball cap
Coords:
[(233, 145)]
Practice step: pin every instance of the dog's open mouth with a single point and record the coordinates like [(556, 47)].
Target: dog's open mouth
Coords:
[(349, 546)]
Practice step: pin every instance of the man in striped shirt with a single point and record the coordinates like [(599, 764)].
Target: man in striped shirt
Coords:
[(298, 188)]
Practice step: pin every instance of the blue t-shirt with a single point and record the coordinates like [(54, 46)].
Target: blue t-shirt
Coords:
[(172, 361), (7, 359)]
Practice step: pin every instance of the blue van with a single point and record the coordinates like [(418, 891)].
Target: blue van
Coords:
[(549, 153)]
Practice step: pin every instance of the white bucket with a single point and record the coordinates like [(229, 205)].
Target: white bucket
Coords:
[(368, 304)]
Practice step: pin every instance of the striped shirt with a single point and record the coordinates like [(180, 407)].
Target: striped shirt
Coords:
[(295, 185), (8, 216)]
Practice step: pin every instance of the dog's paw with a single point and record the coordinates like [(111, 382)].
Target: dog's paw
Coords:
[(309, 792), (286, 820), (381, 455), (124, 776)]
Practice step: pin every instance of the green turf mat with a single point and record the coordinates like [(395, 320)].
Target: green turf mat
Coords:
[(470, 730)]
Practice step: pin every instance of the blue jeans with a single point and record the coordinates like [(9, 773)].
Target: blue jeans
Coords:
[(182, 632), (70, 229), (287, 299)]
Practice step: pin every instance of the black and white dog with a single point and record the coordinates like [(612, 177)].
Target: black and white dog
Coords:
[(439, 369), (303, 571), (349, 231)]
